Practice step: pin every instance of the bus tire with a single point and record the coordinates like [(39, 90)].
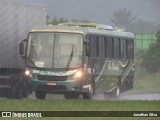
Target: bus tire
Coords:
[(117, 90), (91, 92), (71, 95), (40, 95), (87, 96)]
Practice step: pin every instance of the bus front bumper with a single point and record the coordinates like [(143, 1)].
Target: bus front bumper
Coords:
[(59, 87)]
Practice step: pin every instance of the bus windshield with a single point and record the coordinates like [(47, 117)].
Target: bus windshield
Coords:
[(54, 50)]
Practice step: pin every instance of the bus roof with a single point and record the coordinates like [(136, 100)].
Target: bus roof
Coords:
[(82, 30)]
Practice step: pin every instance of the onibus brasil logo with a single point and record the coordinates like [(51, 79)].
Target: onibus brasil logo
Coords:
[(21, 114)]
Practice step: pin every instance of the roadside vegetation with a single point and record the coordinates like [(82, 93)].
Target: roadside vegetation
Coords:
[(145, 82), (79, 105), (147, 73)]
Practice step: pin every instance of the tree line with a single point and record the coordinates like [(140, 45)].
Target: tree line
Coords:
[(121, 18), (150, 58)]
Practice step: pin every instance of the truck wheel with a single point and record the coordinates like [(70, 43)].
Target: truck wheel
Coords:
[(25, 93), (19, 88), (19, 92), (24, 86), (40, 95), (15, 90), (71, 95), (12, 91)]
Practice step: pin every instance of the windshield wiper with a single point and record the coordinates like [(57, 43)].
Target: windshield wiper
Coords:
[(70, 58)]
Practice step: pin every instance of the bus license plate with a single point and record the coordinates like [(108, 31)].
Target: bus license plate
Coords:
[(51, 83)]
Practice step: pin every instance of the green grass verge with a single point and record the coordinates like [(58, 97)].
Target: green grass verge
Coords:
[(145, 82), (80, 105)]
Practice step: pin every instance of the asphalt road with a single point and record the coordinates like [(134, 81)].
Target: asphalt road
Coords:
[(100, 96), (143, 97)]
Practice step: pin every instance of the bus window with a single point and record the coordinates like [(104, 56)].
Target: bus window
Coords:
[(94, 46), (130, 49), (123, 48), (97, 46), (109, 47), (106, 47), (101, 46), (116, 48)]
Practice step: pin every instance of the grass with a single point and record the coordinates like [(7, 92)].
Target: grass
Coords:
[(79, 105), (145, 82)]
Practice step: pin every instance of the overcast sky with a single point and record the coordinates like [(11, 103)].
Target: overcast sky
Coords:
[(101, 10)]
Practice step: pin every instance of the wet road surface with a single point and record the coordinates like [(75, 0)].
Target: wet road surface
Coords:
[(101, 96), (143, 97)]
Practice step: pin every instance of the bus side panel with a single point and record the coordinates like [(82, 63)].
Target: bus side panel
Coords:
[(128, 81), (110, 72)]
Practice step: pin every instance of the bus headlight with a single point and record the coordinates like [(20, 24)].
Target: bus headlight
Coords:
[(77, 75), (28, 73)]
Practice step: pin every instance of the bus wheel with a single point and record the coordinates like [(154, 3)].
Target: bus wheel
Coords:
[(71, 95), (40, 95), (117, 91), (91, 91), (88, 95)]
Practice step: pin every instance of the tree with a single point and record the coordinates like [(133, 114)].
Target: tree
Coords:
[(142, 26), (123, 18), (81, 21), (151, 57), (58, 20)]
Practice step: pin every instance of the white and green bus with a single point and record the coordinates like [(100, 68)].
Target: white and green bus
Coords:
[(74, 59)]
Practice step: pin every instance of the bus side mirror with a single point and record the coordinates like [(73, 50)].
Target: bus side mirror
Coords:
[(22, 48)]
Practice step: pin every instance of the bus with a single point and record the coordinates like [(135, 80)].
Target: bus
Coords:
[(78, 59)]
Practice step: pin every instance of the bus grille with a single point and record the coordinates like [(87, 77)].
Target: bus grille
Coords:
[(52, 78)]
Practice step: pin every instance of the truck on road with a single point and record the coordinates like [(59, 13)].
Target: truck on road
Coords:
[(16, 19)]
